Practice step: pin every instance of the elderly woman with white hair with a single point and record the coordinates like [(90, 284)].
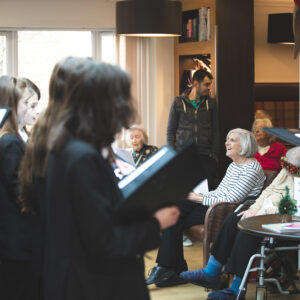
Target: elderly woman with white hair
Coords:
[(138, 140), (244, 178), (233, 247), (269, 151)]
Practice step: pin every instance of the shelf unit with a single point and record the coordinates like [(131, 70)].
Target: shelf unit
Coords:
[(185, 51)]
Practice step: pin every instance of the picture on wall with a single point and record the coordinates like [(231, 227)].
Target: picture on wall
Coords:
[(189, 64)]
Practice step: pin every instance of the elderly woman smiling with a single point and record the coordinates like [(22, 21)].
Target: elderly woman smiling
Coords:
[(244, 178), (138, 140), (242, 175), (233, 247)]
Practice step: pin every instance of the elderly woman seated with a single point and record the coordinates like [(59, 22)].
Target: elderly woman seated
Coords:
[(244, 178), (269, 151), (138, 140), (233, 247)]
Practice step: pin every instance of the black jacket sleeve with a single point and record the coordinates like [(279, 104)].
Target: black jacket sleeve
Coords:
[(11, 154), (94, 195), (215, 131), (172, 125)]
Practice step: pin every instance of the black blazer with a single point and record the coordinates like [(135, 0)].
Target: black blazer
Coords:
[(87, 254), (15, 227)]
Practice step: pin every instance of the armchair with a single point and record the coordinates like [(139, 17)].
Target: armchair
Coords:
[(214, 218)]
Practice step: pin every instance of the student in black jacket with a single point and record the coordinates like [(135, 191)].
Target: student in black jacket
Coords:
[(16, 278), (87, 253), (193, 117)]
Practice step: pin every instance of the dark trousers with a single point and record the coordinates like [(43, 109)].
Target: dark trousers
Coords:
[(209, 168), (17, 280), (234, 247), (170, 253)]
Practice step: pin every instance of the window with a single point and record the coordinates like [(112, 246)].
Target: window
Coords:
[(36, 52), (108, 47), (3, 58)]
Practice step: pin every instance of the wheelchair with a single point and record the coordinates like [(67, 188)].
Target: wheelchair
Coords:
[(277, 268)]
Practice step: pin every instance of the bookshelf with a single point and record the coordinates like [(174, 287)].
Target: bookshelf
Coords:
[(231, 50), (185, 49)]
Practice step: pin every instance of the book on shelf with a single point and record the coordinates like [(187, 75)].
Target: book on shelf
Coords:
[(190, 29), (195, 31), (202, 24), (208, 24), (196, 25), (292, 227)]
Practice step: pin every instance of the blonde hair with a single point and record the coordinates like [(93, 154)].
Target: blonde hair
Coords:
[(268, 123)]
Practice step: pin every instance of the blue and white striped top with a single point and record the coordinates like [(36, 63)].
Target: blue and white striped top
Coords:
[(240, 181)]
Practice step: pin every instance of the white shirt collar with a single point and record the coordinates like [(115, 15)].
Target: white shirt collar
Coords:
[(23, 135)]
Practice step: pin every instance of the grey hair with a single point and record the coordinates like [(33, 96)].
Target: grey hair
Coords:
[(268, 123), (247, 141), (142, 130), (293, 156)]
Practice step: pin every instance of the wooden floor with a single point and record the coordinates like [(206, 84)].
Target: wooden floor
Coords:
[(193, 256)]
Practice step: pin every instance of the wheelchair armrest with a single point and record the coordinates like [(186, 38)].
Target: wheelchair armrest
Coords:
[(245, 205)]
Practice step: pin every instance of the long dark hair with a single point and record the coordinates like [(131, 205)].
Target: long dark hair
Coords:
[(10, 94), (36, 154), (98, 104), (87, 100)]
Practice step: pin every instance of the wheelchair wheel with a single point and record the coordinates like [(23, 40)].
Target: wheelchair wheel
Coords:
[(278, 268), (261, 293)]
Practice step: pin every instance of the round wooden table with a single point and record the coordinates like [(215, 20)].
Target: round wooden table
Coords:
[(254, 226)]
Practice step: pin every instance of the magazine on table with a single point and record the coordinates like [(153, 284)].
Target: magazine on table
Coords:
[(292, 227)]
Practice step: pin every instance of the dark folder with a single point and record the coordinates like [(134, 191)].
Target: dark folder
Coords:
[(291, 136), (4, 113), (164, 179)]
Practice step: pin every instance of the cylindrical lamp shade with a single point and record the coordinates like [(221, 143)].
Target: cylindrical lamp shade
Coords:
[(280, 28), (149, 18)]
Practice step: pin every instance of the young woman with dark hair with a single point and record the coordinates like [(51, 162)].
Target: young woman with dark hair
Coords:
[(16, 275), (87, 254)]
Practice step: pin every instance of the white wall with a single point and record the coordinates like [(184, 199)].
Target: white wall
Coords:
[(57, 13), (273, 62)]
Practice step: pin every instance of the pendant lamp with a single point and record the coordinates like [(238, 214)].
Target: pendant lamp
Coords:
[(148, 18)]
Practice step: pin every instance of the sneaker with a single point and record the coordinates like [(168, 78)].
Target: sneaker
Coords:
[(187, 242)]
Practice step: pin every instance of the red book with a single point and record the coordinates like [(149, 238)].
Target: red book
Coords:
[(190, 29)]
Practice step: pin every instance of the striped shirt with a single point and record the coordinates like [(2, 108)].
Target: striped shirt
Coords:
[(240, 182)]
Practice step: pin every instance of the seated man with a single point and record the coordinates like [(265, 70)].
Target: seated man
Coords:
[(244, 178), (235, 247)]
